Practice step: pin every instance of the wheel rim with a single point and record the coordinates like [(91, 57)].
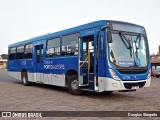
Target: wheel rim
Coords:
[(74, 84)]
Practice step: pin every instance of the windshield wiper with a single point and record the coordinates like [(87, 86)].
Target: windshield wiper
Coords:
[(137, 47), (125, 42)]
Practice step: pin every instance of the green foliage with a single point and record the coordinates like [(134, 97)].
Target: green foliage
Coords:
[(4, 56)]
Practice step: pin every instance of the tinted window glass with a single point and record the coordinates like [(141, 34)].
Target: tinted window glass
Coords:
[(20, 52), (128, 27), (70, 45), (53, 47), (39, 54), (12, 54), (28, 51), (101, 47)]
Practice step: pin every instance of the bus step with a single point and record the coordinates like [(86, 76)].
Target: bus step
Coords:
[(88, 90), (39, 82), (83, 85), (91, 85)]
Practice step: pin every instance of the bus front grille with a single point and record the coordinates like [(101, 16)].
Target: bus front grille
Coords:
[(132, 71), (130, 85)]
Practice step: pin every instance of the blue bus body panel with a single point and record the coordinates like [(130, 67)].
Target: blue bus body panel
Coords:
[(50, 65), (18, 65), (60, 65)]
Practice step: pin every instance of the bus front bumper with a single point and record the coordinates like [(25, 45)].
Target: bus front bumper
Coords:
[(109, 84)]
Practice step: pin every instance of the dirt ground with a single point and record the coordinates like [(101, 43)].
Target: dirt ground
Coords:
[(16, 97)]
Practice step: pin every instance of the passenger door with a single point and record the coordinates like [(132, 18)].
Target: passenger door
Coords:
[(87, 62), (39, 63)]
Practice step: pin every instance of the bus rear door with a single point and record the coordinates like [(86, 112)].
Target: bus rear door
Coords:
[(39, 63)]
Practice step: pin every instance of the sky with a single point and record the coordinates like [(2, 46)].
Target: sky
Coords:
[(24, 19)]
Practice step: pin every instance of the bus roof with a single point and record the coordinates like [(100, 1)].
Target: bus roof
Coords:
[(61, 33), (68, 31)]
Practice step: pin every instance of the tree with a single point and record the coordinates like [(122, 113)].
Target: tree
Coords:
[(4, 56)]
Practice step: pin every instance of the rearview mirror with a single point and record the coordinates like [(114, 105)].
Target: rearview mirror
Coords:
[(109, 37)]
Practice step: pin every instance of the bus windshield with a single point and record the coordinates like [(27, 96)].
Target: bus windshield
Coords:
[(128, 50)]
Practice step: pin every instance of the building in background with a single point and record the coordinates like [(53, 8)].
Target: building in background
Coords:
[(3, 62), (155, 61)]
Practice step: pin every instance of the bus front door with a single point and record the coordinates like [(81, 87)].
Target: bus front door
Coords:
[(39, 63), (86, 61)]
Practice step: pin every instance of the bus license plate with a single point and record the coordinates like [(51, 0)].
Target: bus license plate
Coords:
[(135, 87)]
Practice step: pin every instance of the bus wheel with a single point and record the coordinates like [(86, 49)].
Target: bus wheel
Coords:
[(73, 85), (24, 78)]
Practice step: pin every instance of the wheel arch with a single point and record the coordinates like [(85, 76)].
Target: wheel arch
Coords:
[(23, 70), (68, 74)]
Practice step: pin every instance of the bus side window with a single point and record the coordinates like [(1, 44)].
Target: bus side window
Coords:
[(28, 54), (12, 53), (20, 52), (70, 45), (39, 55), (53, 47)]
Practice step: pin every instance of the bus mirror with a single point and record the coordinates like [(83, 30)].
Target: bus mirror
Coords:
[(109, 37)]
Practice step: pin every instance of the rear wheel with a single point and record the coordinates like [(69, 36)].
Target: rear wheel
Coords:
[(157, 76), (24, 78), (73, 85)]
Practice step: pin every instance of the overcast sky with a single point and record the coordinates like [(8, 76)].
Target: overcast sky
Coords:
[(24, 19)]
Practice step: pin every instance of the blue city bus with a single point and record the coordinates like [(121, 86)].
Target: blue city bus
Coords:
[(99, 56)]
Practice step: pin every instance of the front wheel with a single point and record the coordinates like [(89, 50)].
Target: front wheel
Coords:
[(157, 76), (24, 78), (73, 85)]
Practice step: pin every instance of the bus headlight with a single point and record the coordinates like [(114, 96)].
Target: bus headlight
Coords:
[(149, 74), (114, 75)]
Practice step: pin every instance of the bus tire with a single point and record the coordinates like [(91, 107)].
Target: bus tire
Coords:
[(73, 85), (24, 78)]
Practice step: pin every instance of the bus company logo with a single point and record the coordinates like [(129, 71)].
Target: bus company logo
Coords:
[(6, 114)]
